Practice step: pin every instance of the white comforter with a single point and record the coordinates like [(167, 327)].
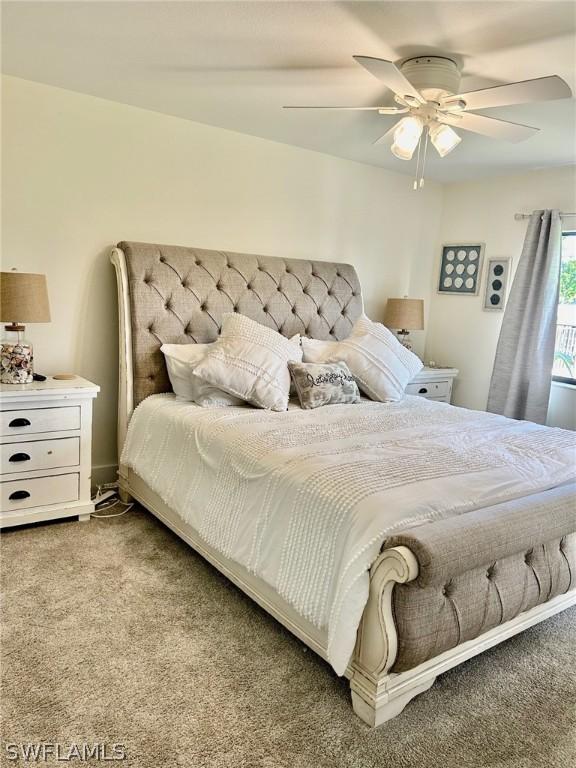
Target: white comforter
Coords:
[(305, 499)]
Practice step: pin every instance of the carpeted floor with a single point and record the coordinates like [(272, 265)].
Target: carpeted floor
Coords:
[(115, 631)]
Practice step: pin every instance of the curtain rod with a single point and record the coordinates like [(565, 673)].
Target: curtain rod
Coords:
[(520, 216)]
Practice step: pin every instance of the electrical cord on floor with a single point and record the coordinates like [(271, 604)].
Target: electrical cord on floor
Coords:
[(117, 514), (114, 502)]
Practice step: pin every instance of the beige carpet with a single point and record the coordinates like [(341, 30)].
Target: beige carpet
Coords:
[(115, 631)]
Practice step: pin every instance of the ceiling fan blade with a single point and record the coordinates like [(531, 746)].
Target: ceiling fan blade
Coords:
[(359, 109), (390, 75), (539, 89), (387, 137), (489, 126)]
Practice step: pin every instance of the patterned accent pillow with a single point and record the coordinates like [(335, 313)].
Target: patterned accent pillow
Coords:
[(381, 366), (250, 361), (327, 384)]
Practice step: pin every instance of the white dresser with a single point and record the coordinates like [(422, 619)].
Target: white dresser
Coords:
[(46, 437), (433, 383)]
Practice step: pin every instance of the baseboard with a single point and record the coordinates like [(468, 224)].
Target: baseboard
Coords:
[(104, 473)]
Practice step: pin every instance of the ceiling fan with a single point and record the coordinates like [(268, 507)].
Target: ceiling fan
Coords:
[(427, 93)]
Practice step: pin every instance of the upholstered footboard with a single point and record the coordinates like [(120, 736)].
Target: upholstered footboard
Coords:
[(445, 591)]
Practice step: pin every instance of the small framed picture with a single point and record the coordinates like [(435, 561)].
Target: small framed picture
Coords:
[(461, 268), (496, 284)]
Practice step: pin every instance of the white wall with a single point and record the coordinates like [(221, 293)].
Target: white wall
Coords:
[(460, 333), (81, 173)]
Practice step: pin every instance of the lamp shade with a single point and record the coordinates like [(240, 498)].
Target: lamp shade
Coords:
[(23, 298), (405, 314)]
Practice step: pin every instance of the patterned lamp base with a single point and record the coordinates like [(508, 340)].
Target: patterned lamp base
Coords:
[(16, 362)]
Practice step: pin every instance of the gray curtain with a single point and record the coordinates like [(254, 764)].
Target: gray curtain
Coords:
[(520, 385)]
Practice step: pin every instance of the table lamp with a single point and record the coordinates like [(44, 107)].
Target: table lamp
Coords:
[(23, 299), (404, 315)]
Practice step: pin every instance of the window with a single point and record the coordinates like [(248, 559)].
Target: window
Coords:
[(564, 368)]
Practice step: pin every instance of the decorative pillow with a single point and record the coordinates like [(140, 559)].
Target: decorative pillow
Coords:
[(381, 366), (323, 384), (181, 362), (250, 361)]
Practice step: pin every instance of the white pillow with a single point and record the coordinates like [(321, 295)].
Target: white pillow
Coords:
[(381, 366), (181, 362), (250, 361)]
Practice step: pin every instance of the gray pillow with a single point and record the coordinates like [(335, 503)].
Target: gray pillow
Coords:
[(323, 384)]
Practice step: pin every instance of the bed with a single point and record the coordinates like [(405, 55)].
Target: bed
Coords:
[(395, 540)]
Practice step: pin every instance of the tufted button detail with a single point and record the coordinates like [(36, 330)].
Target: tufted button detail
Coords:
[(279, 289), (151, 377), (265, 309), (235, 308), (490, 572), (318, 311), (161, 259), (219, 285), (203, 307), (528, 557), (562, 546), (151, 328), (444, 591), (293, 310)]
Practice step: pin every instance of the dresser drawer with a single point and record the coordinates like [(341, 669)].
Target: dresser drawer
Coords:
[(39, 492), (40, 454), (33, 420), (429, 389)]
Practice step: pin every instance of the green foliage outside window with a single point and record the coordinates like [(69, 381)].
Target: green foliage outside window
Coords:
[(568, 282)]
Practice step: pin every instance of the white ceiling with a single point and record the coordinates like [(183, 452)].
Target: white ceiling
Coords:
[(234, 64)]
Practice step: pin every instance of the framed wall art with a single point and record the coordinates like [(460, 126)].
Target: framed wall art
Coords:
[(496, 283), (461, 269)]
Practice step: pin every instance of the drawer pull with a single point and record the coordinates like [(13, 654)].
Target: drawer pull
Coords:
[(19, 423), (18, 495), (19, 457), (422, 391)]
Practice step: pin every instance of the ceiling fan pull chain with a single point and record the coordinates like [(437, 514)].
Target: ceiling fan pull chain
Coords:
[(424, 159), (415, 186)]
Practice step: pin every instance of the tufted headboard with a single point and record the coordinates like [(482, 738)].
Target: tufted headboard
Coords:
[(173, 294)]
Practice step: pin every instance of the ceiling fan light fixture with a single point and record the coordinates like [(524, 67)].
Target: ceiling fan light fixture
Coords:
[(406, 137), (444, 138)]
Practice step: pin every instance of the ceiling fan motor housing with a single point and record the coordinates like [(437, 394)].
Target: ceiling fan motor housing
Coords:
[(434, 76)]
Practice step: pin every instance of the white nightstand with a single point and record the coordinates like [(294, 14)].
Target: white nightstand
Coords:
[(433, 383), (46, 436)]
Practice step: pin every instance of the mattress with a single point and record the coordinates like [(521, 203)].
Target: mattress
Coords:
[(305, 499)]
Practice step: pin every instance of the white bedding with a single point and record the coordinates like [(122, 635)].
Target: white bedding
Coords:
[(305, 499)]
